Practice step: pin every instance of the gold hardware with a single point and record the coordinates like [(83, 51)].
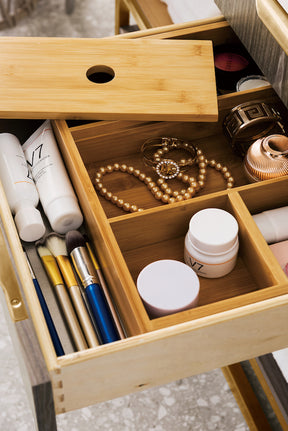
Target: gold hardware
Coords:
[(8, 278), (10, 284)]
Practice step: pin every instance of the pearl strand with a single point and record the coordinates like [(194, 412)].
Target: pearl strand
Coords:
[(160, 189)]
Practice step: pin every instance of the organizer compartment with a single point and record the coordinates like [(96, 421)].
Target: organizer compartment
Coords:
[(160, 235)]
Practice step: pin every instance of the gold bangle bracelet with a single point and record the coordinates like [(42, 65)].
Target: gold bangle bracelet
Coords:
[(154, 148), (248, 122)]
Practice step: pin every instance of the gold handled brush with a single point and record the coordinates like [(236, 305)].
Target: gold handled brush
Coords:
[(53, 272), (57, 246)]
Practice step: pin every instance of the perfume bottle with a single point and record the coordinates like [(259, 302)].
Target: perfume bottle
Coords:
[(267, 158)]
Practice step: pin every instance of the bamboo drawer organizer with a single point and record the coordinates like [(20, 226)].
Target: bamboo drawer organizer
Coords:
[(241, 316), (136, 240)]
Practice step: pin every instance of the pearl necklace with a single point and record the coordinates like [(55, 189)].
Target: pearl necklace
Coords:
[(160, 189)]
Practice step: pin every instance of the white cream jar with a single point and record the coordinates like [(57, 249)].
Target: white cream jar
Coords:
[(211, 243), (168, 286)]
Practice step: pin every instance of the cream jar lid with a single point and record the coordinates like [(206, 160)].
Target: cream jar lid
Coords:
[(251, 81), (213, 230), (168, 286)]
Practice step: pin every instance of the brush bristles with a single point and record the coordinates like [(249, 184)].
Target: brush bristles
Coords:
[(56, 244), (74, 239), (42, 250)]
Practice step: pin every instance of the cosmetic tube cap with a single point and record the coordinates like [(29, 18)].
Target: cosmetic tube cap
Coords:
[(64, 214), (29, 224), (168, 286)]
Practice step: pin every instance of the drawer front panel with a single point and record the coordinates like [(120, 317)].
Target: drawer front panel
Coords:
[(173, 353)]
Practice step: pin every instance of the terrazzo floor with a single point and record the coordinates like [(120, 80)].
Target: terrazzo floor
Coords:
[(199, 403)]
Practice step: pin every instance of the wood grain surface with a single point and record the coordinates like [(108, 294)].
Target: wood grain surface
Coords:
[(67, 78)]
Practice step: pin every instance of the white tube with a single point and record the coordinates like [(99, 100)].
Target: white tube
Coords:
[(20, 189), (273, 224), (56, 193)]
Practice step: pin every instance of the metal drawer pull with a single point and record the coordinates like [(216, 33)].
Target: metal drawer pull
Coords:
[(9, 281), (275, 18)]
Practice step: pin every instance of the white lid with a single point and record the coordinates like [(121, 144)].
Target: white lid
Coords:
[(213, 230), (251, 81), (64, 214), (29, 224), (168, 286)]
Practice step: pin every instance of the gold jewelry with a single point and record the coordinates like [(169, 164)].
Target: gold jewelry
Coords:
[(248, 122), (167, 168), (160, 189)]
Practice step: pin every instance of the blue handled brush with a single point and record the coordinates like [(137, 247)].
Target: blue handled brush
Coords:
[(76, 247)]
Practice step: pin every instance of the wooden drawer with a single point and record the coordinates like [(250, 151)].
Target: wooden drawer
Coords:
[(241, 316), (262, 27)]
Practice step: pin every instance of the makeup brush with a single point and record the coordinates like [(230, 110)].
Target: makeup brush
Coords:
[(53, 272), (77, 249), (56, 244), (102, 282), (50, 324)]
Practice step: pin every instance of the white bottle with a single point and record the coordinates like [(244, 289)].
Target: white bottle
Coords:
[(20, 189), (211, 243), (56, 193)]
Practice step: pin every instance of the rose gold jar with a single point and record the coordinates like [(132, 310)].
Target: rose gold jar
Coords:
[(267, 158)]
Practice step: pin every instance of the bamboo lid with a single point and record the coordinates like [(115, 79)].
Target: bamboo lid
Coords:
[(107, 79)]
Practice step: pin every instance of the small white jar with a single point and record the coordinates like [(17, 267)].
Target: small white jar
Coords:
[(211, 243), (168, 286)]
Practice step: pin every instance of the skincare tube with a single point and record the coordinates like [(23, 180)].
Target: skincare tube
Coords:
[(273, 224), (56, 193), (20, 189)]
